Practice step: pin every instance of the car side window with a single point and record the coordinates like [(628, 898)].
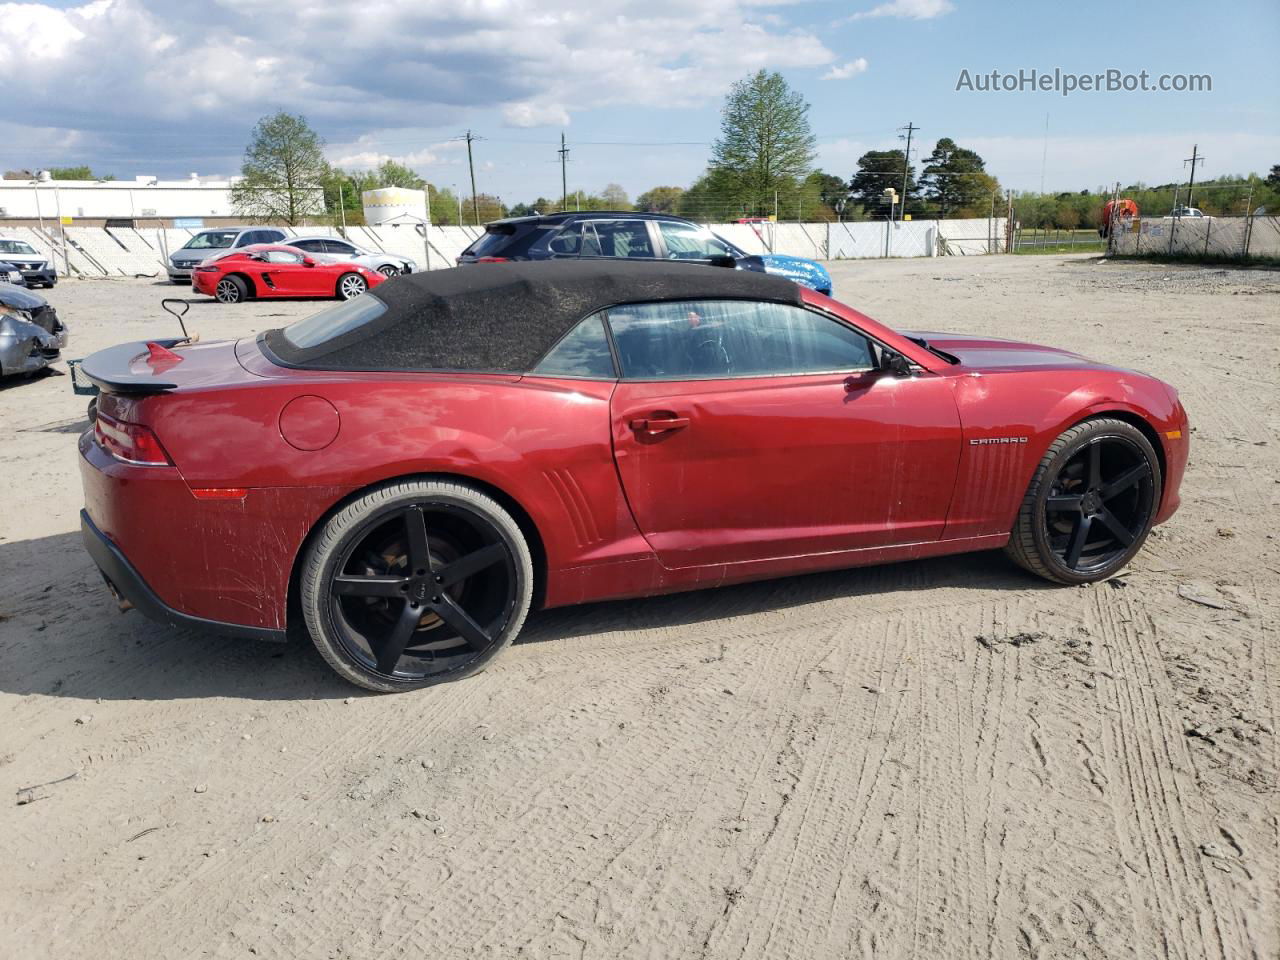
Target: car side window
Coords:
[(311, 246), (616, 238), (582, 352), (281, 256), (714, 339), (568, 242), (337, 246), (686, 242)]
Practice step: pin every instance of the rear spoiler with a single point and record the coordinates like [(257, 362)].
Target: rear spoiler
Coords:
[(111, 369)]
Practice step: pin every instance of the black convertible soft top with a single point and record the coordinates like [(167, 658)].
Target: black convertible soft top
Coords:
[(504, 317)]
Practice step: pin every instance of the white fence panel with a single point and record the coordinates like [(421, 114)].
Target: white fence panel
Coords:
[(856, 241), (807, 240), (754, 238), (972, 238)]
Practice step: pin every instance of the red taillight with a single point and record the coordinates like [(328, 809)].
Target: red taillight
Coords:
[(491, 259), (130, 442)]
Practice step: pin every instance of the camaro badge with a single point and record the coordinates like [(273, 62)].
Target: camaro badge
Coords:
[(983, 441)]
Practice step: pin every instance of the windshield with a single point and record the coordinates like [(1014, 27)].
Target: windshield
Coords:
[(212, 240), (17, 246), (335, 321)]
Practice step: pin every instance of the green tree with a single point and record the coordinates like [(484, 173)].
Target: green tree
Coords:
[(831, 189), (75, 173), (1273, 178), (284, 171), (615, 198), (660, 200), (712, 198), (392, 174), (878, 171), (955, 181), (765, 143), (444, 206), (342, 190)]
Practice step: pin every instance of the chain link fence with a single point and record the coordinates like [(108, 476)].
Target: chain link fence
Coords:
[(1252, 237)]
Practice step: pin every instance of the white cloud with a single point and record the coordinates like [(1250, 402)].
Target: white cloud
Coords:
[(530, 114), (140, 84), (908, 9), (843, 71)]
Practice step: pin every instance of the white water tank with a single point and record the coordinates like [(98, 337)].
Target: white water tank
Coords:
[(391, 203)]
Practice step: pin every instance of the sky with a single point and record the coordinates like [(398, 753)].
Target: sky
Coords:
[(134, 87)]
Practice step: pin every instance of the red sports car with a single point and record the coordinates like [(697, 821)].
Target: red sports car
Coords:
[(275, 270), (408, 472)]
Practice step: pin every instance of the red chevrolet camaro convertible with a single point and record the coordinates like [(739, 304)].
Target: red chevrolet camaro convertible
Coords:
[(406, 473)]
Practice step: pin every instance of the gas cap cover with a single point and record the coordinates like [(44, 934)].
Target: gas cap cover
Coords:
[(309, 422)]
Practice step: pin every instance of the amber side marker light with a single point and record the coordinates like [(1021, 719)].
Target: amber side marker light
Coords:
[(220, 493), (1173, 434)]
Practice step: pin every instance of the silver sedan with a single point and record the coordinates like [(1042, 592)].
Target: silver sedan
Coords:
[(336, 248)]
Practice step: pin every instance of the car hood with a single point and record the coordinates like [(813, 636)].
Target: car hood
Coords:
[(197, 256), (20, 298), (807, 273), (990, 354), (23, 259)]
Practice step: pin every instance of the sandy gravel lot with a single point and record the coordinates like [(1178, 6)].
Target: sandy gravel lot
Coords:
[(942, 759)]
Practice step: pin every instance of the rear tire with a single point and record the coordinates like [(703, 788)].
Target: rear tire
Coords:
[(351, 285), (391, 610), (1090, 504), (231, 290)]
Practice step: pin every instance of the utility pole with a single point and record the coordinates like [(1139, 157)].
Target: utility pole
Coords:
[(1193, 160), (475, 204), (906, 165), (564, 177)]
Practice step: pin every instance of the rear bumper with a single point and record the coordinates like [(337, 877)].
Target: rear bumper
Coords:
[(128, 583)]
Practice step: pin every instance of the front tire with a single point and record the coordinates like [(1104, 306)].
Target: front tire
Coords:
[(351, 285), (1090, 504), (416, 583), (231, 290), (389, 270)]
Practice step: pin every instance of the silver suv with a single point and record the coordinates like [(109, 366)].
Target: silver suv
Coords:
[(207, 243)]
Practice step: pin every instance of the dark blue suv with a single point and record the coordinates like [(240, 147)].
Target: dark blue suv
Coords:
[(646, 236)]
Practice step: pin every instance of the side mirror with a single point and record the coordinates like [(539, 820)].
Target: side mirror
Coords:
[(308, 262), (897, 364)]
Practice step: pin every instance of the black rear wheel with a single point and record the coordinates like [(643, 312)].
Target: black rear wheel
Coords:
[(1090, 505), (416, 583)]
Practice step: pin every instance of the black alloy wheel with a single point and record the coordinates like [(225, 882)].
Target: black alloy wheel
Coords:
[(1091, 504), (421, 587)]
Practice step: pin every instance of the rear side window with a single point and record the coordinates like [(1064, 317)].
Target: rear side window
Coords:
[(714, 339), (615, 238), (333, 322), (582, 352), (492, 243)]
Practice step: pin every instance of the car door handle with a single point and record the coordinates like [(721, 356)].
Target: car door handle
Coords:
[(652, 426)]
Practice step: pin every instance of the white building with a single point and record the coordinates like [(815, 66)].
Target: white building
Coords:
[(143, 200)]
